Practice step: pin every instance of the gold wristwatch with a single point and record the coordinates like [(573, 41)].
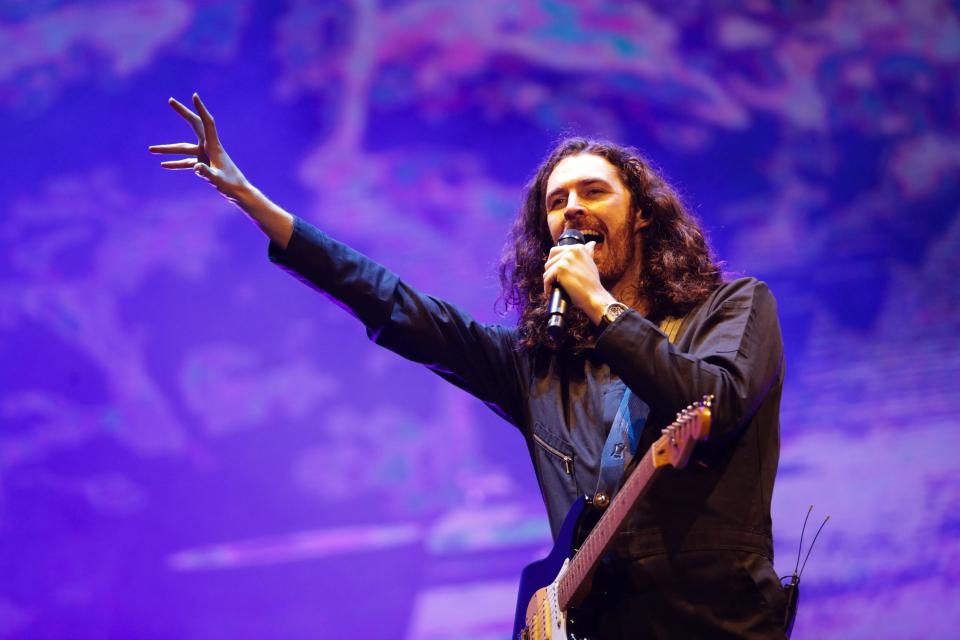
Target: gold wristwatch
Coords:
[(610, 313)]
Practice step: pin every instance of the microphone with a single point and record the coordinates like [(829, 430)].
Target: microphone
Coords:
[(557, 323)]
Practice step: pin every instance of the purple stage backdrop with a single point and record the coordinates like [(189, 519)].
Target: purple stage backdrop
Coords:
[(195, 445)]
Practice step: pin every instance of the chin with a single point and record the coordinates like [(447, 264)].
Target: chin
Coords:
[(608, 278)]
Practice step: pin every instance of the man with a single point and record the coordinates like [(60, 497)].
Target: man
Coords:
[(651, 317)]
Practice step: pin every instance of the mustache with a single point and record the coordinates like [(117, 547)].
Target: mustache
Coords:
[(586, 223)]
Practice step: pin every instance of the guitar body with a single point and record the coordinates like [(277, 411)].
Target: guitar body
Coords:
[(538, 612)]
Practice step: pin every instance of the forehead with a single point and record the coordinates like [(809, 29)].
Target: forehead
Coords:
[(583, 166)]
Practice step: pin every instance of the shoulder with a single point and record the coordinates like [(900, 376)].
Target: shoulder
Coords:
[(736, 313), (508, 341), (508, 335), (745, 292)]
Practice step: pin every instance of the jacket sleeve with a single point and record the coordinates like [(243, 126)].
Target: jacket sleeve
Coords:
[(477, 357), (736, 354)]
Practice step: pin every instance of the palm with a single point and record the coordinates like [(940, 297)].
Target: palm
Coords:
[(203, 153)]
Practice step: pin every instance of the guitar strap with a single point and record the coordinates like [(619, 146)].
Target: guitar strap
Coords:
[(626, 428), (621, 444)]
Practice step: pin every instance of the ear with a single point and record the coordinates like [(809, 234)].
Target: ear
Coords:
[(643, 219)]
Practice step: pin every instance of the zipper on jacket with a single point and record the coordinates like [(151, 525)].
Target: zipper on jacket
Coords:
[(567, 460)]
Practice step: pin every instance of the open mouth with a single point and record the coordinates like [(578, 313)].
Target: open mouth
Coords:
[(590, 235)]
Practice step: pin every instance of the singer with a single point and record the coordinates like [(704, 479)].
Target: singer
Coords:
[(650, 326)]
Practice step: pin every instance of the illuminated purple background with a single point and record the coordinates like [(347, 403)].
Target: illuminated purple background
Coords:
[(194, 445)]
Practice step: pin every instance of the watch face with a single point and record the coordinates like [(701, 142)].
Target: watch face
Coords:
[(614, 311)]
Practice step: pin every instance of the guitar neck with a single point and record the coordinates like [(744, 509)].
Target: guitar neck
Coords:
[(575, 582)]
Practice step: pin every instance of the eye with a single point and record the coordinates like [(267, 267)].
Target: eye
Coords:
[(557, 202)]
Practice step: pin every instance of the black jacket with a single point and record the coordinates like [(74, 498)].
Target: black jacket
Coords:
[(729, 346)]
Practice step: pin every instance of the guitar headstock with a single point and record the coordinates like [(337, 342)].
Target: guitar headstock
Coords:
[(676, 444)]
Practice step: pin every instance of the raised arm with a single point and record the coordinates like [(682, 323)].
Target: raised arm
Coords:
[(210, 161), (477, 357)]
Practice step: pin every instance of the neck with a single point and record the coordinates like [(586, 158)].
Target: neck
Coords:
[(627, 288)]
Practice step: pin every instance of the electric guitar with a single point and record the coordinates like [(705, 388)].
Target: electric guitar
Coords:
[(551, 588)]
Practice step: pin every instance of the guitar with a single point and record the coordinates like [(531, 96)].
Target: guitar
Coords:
[(552, 587)]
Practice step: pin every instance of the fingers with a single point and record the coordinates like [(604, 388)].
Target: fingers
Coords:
[(209, 127), (556, 266), (187, 115), (553, 259), (575, 261), (207, 172), (184, 148), (557, 253), (186, 163), (549, 276)]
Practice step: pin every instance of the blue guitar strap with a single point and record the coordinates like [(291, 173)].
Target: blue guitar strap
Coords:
[(627, 425), (622, 441)]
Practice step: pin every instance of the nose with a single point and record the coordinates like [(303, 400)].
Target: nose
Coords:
[(573, 209)]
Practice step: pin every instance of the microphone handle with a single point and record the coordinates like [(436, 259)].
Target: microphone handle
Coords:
[(559, 302)]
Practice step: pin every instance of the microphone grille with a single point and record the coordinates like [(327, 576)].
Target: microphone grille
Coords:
[(571, 236)]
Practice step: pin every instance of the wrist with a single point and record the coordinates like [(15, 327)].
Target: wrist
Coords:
[(611, 313), (249, 198), (598, 305), (274, 221)]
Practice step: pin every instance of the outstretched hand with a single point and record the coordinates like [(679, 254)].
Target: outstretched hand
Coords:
[(207, 157)]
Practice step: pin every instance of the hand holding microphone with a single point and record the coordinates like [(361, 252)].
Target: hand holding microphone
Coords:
[(574, 266), (559, 300)]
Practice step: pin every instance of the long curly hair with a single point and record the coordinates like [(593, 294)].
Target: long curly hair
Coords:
[(678, 270)]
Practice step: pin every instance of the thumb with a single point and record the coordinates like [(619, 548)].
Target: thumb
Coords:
[(207, 172), (591, 246)]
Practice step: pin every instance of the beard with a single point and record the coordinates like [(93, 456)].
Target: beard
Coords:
[(618, 253)]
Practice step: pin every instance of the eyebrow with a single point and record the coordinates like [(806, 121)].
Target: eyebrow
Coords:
[(586, 182)]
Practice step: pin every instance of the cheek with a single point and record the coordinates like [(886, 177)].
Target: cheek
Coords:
[(555, 223)]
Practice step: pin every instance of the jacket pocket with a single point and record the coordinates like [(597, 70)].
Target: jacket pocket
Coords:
[(565, 458), (555, 459)]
